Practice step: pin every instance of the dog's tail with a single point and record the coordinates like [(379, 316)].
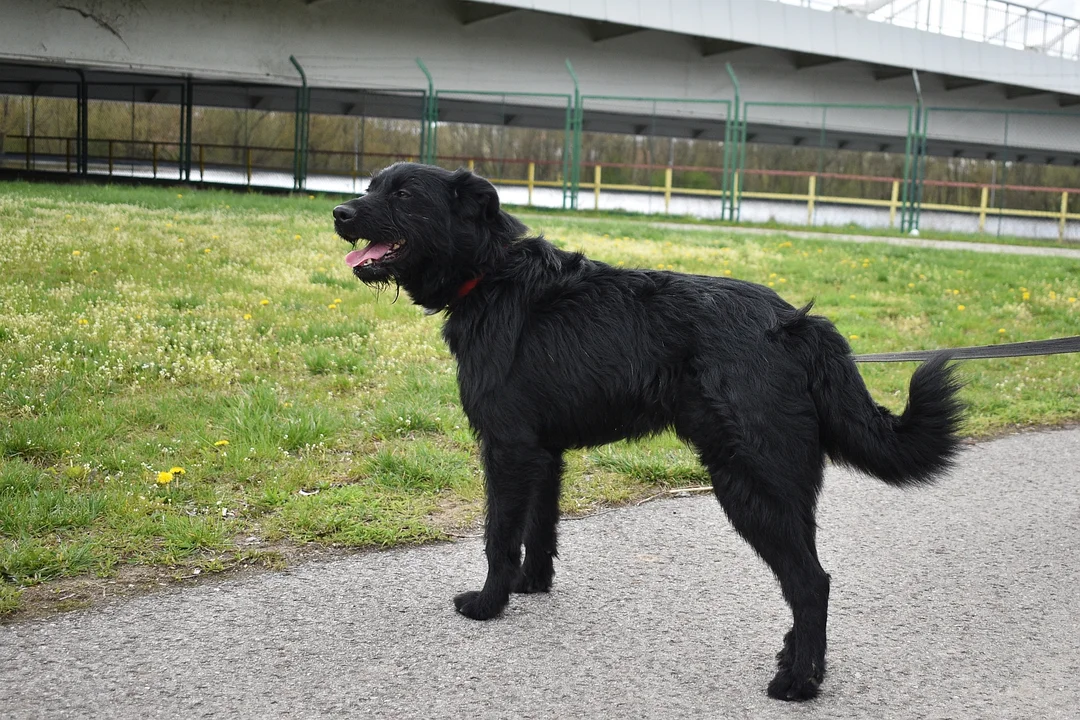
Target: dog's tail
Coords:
[(910, 449)]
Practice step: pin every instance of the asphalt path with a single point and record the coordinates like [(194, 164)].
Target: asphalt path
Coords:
[(956, 601)]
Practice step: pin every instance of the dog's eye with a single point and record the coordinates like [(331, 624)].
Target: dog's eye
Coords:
[(402, 194)]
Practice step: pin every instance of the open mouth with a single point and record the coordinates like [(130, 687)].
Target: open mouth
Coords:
[(375, 252)]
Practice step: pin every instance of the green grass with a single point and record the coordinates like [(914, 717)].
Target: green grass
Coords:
[(147, 329)]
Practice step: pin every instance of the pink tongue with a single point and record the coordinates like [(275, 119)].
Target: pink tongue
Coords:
[(373, 251)]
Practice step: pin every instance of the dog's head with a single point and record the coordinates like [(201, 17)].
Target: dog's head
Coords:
[(427, 229)]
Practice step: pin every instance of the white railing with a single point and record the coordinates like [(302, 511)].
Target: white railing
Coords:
[(1009, 24)]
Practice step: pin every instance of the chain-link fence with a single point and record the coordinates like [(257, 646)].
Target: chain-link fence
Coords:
[(134, 130), (352, 133), (39, 133), (1021, 169), (516, 139), (1009, 172), (820, 156), (656, 149)]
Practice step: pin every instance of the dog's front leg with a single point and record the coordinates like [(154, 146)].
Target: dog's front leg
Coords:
[(512, 469)]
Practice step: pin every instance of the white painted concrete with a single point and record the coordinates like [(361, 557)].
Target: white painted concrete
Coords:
[(373, 44)]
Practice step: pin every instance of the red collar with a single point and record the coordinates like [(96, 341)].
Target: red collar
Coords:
[(468, 286)]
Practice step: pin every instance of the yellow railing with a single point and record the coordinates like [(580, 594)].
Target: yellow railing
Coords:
[(810, 197)]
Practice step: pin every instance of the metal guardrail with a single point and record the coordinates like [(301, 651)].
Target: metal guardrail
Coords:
[(997, 22)]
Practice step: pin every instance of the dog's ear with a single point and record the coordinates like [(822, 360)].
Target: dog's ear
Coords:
[(475, 195)]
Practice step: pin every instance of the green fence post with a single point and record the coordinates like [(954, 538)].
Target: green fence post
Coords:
[(82, 145), (731, 167), (300, 129), (428, 120), (918, 146), (185, 146), (180, 144), (568, 143), (575, 160)]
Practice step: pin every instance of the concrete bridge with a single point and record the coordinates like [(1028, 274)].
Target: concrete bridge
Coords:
[(818, 73)]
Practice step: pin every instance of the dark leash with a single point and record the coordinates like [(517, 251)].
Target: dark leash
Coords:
[(981, 352)]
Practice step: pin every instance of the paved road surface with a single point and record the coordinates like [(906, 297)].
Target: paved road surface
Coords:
[(959, 601)]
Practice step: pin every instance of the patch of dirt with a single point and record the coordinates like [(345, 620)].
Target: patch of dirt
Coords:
[(84, 592)]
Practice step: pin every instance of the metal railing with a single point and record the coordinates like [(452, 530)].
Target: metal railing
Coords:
[(997, 22)]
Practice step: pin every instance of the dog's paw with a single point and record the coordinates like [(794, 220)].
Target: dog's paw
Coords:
[(792, 685), (477, 606)]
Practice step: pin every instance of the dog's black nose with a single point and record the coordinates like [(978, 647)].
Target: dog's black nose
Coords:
[(344, 213)]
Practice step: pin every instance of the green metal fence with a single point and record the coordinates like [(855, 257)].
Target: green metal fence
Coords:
[(989, 169), (812, 152), (656, 145), (484, 130), (1014, 171)]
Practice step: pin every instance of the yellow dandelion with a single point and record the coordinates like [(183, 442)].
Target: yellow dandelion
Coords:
[(851, 297), (180, 240), (207, 251), (332, 306), (310, 197), (1001, 331), (67, 217), (84, 321), (922, 277), (961, 308), (213, 237), (164, 478), (911, 285), (620, 263), (221, 443), (1053, 295), (264, 301), (955, 292), (247, 316), (337, 300), (771, 283), (179, 195), (1026, 295), (772, 275), (783, 280), (76, 253), (116, 228), (853, 337), (168, 225), (1072, 299), (93, 272), (727, 272), (296, 237), (178, 470)]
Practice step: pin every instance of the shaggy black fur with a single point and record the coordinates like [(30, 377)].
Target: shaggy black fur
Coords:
[(558, 351)]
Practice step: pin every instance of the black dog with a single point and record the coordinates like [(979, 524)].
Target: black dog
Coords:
[(557, 351)]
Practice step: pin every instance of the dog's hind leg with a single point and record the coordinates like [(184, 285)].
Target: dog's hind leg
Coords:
[(541, 546), (766, 472), (778, 527), (513, 471)]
